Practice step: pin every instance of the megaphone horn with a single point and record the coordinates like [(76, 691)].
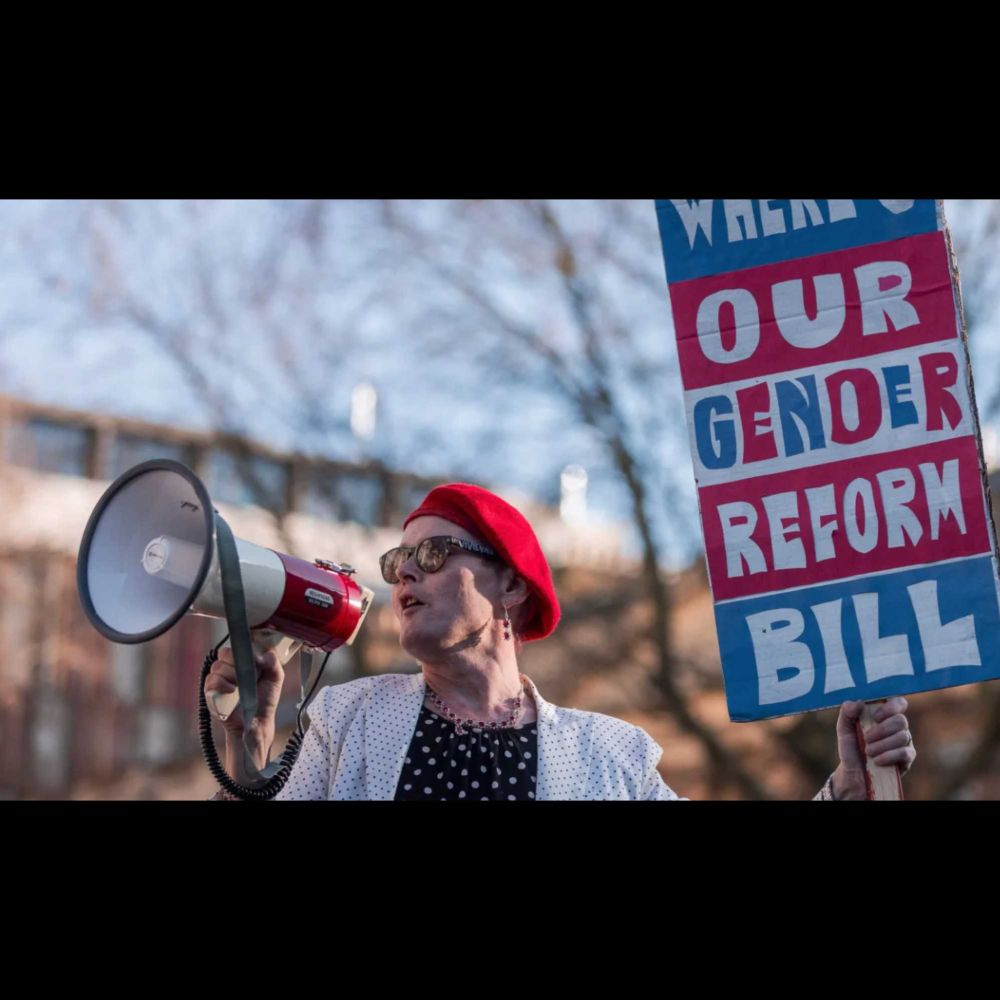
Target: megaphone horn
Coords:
[(150, 554)]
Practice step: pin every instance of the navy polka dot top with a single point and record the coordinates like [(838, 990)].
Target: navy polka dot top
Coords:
[(492, 765)]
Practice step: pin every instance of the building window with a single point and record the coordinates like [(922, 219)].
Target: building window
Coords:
[(51, 447), (131, 449), (340, 495), (159, 734), (247, 480)]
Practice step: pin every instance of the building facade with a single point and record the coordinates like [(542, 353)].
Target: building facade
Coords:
[(77, 711)]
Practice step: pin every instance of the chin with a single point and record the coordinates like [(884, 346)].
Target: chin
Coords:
[(415, 643), (429, 645)]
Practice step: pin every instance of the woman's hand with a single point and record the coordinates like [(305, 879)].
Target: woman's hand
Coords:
[(888, 742), (270, 679)]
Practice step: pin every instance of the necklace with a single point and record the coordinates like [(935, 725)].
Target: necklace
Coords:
[(461, 724)]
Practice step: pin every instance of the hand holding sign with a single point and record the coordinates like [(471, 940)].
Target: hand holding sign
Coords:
[(888, 743)]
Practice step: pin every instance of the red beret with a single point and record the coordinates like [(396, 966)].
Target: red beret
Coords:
[(505, 529)]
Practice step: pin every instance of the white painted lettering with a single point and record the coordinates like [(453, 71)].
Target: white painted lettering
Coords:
[(799, 216), (897, 205), (738, 521), (739, 211), (747, 330), (860, 541), (822, 519), (944, 496), (772, 220), (790, 310), (898, 488), (884, 656), (951, 645), (842, 209), (696, 215), (774, 634), (838, 673), (880, 303), (786, 547)]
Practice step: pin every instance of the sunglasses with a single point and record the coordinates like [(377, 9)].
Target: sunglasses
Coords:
[(431, 554)]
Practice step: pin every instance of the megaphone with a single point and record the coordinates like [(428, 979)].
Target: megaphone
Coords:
[(155, 550)]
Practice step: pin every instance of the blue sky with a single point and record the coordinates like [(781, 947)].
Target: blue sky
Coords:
[(351, 303)]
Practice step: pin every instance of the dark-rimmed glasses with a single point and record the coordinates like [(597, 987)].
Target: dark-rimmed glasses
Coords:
[(431, 554)]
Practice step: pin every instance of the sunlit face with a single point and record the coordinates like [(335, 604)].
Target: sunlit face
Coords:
[(458, 604)]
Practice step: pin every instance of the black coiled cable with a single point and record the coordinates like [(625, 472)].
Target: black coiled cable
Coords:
[(288, 757)]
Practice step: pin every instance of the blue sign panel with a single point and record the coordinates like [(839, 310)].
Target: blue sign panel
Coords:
[(867, 638), (715, 236)]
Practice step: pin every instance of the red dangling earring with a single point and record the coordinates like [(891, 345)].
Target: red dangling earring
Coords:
[(506, 622)]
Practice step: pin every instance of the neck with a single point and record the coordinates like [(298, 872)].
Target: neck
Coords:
[(476, 687)]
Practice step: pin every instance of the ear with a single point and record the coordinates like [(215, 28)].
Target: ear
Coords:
[(514, 589)]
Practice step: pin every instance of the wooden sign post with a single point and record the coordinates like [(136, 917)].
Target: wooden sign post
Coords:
[(882, 782)]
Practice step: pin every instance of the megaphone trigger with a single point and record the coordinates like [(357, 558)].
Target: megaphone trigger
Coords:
[(283, 646)]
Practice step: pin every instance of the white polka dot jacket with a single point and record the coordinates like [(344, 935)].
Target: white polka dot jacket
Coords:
[(360, 733)]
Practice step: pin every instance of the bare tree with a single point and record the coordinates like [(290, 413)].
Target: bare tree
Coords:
[(251, 319), (245, 317), (507, 338)]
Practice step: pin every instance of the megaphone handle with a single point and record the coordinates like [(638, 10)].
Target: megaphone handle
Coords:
[(284, 647)]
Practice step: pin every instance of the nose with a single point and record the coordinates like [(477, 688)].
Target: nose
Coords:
[(408, 569)]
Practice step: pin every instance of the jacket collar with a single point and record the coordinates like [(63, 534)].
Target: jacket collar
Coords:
[(391, 717), (546, 711)]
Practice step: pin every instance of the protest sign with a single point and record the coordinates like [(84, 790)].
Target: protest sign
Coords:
[(836, 449)]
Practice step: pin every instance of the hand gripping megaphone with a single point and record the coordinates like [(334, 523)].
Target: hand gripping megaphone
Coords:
[(155, 549)]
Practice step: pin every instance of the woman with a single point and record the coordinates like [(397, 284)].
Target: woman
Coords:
[(469, 583)]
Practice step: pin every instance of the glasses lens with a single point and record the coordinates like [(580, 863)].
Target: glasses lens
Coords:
[(390, 564), (431, 554)]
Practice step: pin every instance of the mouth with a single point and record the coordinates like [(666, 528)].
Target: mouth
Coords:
[(410, 604)]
